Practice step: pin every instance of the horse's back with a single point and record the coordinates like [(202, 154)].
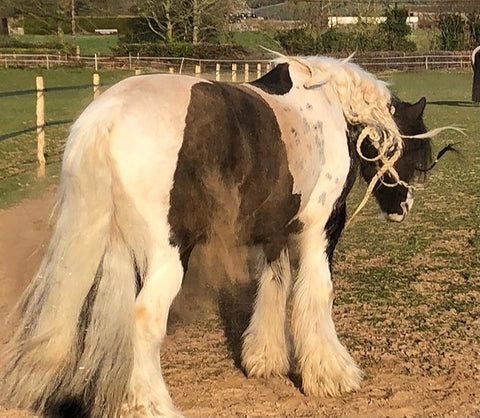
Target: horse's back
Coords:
[(232, 160)]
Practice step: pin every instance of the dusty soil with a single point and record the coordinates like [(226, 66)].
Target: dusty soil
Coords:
[(407, 373)]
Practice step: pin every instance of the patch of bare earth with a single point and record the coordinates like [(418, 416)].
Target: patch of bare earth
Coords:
[(419, 361)]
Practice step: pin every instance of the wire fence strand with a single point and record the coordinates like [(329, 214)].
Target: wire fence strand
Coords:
[(34, 128), (13, 93)]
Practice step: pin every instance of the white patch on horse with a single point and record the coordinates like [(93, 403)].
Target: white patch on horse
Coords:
[(305, 154), (265, 350), (157, 136)]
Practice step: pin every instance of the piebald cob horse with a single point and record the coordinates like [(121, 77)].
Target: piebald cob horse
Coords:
[(149, 168)]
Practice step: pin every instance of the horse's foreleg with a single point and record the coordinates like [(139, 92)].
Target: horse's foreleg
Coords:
[(264, 349), (324, 363), (148, 395)]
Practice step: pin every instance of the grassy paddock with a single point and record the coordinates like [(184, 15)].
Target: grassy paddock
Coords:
[(416, 283), (18, 155), (89, 44)]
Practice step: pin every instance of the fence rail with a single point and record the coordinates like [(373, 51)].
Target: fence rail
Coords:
[(417, 62), (194, 65), (234, 70), (41, 122)]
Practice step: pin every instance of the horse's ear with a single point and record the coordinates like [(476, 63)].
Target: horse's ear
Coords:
[(419, 107)]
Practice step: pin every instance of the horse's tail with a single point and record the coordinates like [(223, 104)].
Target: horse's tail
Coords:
[(72, 353)]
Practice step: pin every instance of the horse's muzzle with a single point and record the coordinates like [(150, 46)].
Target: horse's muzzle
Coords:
[(406, 206)]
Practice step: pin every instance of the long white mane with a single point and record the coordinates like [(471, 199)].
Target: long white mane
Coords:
[(366, 101)]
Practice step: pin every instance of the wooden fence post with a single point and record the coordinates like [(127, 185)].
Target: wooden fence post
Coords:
[(267, 67), (138, 71), (234, 72), (96, 85), (259, 70), (247, 72), (40, 126), (217, 72), (171, 70), (198, 70)]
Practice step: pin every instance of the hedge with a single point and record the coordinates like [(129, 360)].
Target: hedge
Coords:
[(15, 46), (183, 49)]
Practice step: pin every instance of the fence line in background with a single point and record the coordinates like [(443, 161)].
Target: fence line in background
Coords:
[(208, 68), (41, 123), (202, 66), (168, 66)]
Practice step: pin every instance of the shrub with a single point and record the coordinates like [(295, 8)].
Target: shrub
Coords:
[(395, 30), (452, 31), (182, 49), (297, 41), (473, 30), (12, 45), (361, 38)]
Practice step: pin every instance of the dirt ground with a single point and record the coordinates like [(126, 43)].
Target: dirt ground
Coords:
[(200, 355)]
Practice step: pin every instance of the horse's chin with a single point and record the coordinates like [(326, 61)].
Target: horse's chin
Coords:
[(394, 217)]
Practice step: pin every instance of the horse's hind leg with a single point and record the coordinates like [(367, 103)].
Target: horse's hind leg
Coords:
[(325, 365), (264, 349), (148, 395)]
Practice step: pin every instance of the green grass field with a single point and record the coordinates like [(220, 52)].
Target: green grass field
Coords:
[(18, 155), (426, 269), (89, 44)]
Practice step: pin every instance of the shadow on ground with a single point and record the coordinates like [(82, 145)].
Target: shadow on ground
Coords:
[(461, 103)]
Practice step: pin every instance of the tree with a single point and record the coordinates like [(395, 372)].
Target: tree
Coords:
[(186, 20), (51, 13), (459, 31), (396, 29), (208, 18), (313, 12), (160, 17), (452, 31)]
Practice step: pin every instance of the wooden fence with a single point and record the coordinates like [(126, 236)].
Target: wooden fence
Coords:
[(41, 123), (449, 61), (218, 69), (234, 73)]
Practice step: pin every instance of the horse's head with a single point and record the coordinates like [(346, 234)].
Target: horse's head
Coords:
[(396, 199)]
